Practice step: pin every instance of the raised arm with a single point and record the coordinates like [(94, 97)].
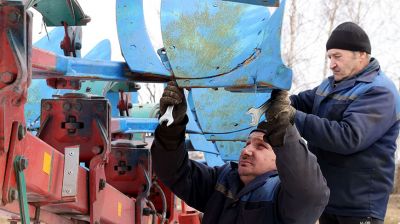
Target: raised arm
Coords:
[(303, 193), (364, 121), (191, 181)]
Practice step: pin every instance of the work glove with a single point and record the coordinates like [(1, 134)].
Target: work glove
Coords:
[(280, 116), (173, 96)]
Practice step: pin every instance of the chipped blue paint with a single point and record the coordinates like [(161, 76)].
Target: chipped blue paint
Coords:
[(224, 44), (229, 150), (221, 112)]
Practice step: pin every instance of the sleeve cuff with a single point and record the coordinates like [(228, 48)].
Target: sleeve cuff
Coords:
[(300, 118)]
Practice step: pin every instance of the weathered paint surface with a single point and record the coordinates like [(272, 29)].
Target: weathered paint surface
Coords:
[(220, 111), (136, 46), (224, 44), (56, 11), (208, 38)]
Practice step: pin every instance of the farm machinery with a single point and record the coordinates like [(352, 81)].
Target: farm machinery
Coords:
[(74, 142)]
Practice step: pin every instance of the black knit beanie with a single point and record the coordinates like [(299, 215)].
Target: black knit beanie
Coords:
[(349, 36), (261, 127)]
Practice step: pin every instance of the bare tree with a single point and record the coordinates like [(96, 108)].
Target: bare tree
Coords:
[(331, 8)]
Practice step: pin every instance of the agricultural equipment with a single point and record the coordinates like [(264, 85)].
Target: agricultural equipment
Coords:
[(69, 145)]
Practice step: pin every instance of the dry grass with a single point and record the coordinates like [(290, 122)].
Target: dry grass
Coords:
[(393, 212)]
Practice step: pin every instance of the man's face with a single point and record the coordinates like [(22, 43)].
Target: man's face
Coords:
[(256, 158), (344, 63)]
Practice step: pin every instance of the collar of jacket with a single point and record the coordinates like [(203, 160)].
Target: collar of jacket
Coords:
[(368, 74), (257, 182)]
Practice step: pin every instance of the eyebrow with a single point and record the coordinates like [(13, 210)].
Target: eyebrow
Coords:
[(334, 54)]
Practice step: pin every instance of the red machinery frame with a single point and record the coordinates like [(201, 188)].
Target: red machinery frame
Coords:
[(70, 123)]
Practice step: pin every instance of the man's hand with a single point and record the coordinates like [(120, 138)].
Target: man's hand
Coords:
[(174, 96), (279, 117)]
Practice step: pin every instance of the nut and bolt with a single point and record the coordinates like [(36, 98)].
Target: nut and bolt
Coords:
[(78, 106), (23, 163), (102, 184), (7, 77), (100, 107), (47, 106), (12, 195), (14, 17), (21, 132), (67, 106)]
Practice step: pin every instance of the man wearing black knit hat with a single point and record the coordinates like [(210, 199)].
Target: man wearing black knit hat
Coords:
[(351, 123)]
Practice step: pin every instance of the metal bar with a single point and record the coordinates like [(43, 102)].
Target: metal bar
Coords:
[(49, 65), (71, 164), (20, 164), (134, 125)]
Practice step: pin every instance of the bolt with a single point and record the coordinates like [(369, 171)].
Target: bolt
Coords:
[(102, 184), (71, 153), (78, 46), (7, 77), (68, 191), (78, 106), (67, 106), (23, 163), (47, 106), (118, 154), (12, 195), (14, 17), (69, 172), (100, 107), (96, 150), (21, 132)]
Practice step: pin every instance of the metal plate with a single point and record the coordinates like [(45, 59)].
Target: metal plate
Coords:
[(71, 164), (133, 33), (217, 43), (56, 11), (222, 112)]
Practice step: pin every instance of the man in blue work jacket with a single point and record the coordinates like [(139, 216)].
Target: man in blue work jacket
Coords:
[(250, 191), (351, 123)]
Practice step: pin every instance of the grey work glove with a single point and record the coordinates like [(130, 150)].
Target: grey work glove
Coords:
[(280, 116), (173, 96)]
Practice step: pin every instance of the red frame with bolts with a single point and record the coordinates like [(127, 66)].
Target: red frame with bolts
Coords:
[(85, 123)]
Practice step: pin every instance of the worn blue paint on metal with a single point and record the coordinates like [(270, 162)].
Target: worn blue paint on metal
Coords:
[(39, 90), (274, 3), (193, 125), (224, 44), (136, 125), (136, 46), (230, 150), (213, 159), (222, 112)]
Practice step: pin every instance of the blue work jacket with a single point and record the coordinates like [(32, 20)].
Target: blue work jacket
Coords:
[(352, 127), (298, 195)]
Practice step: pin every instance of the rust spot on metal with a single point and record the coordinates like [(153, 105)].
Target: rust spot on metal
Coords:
[(208, 50)]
